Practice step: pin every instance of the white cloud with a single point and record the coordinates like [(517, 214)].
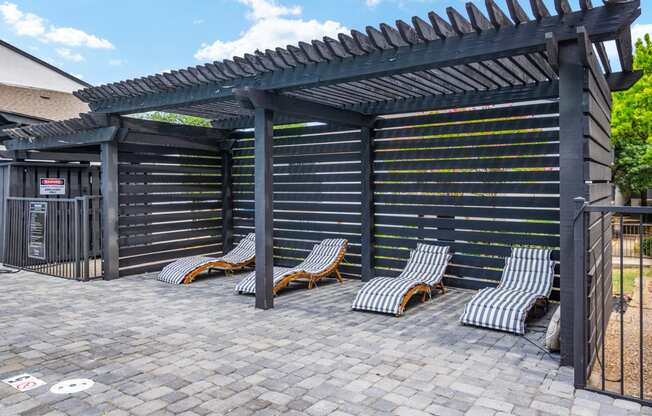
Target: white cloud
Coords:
[(273, 25), (116, 62), (372, 3), (24, 24), (66, 53), (74, 37), (28, 24), (638, 32), (268, 9)]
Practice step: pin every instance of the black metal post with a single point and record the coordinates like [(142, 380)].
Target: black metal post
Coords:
[(85, 235), (110, 253), (264, 208), (579, 278), (227, 201), (367, 205)]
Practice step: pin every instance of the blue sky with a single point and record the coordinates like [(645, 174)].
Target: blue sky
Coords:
[(106, 41)]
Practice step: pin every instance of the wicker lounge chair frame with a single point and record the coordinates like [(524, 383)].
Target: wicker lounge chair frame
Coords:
[(314, 278), (222, 265), (424, 290)]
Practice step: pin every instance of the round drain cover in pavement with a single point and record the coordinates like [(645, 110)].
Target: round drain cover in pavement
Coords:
[(72, 386)]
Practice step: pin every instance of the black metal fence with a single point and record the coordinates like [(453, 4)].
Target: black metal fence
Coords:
[(613, 299), (629, 235), (57, 237)]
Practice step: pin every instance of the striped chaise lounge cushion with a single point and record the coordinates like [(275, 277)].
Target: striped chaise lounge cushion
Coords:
[(322, 256), (426, 265), (176, 272), (527, 277)]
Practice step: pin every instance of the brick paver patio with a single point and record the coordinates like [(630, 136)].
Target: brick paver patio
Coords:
[(156, 349)]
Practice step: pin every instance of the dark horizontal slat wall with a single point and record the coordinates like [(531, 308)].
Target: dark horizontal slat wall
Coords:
[(170, 205), (316, 191), (598, 158), (480, 180)]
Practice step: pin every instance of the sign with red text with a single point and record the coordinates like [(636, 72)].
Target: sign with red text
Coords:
[(52, 186)]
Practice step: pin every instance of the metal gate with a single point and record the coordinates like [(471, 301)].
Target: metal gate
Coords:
[(57, 237), (613, 302)]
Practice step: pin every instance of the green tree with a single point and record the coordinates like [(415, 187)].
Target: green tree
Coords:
[(632, 128), (178, 119)]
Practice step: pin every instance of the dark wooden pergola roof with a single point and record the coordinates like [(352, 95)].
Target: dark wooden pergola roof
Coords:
[(391, 68)]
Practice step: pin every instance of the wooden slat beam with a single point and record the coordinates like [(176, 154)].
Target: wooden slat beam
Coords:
[(625, 52), (441, 26), (169, 141), (552, 48), (459, 22), (563, 7), (621, 81), (83, 138), (602, 23), (496, 15), (517, 12), (478, 20), (170, 129), (539, 9), (431, 103), (302, 108)]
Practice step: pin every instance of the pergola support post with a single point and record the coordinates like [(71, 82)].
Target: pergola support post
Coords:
[(264, 212), (227, 201), (110, 205), (571, 165), (367, 203)]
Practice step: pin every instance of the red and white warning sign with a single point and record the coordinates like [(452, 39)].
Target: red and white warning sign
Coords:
[(24, 382), (52, 186)]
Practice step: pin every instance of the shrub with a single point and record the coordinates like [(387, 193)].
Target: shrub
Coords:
[(647, 246)]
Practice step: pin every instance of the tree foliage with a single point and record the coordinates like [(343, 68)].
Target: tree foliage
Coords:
[(632, 127), (178, 119)]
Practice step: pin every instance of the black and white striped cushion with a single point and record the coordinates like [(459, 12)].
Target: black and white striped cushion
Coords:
[(322, 256), (531, 253), (383, 294), (248, 284), (501, 309), (528, 275), (177, 271), (426, 265)]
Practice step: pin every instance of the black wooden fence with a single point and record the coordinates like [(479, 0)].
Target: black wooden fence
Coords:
[(482, 180), (170, 205)]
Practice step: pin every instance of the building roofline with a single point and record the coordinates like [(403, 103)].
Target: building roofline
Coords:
[(45, 64)]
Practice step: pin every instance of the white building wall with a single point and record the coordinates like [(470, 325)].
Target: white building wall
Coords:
[(16, 69)]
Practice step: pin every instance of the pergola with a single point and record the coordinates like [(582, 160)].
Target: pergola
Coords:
[(354, 82)]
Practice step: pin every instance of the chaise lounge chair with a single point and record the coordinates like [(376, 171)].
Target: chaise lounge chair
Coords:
[(527, 279), (185, 270), (424, 271), (323, 260)]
